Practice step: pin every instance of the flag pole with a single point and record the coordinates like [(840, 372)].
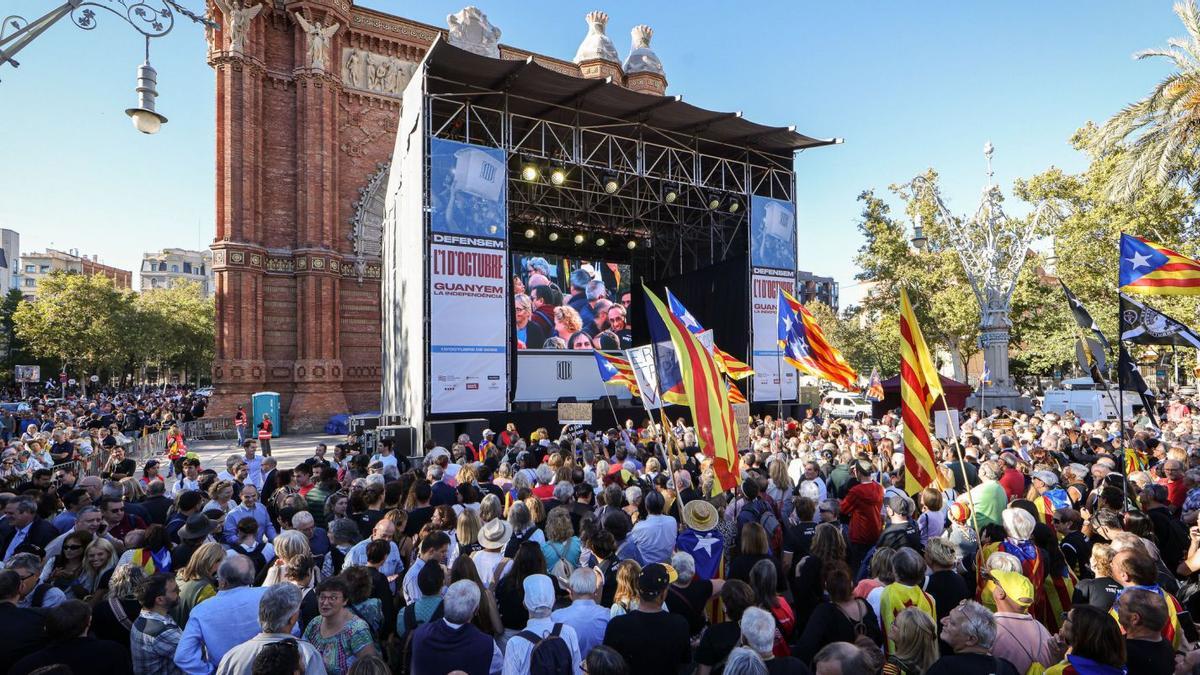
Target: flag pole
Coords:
[(1121, 394), (962, 462), (779, 376)]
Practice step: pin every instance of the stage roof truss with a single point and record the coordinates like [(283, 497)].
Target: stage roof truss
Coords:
[(668, 159)]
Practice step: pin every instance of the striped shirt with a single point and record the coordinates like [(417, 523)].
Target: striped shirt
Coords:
[(152, 642)]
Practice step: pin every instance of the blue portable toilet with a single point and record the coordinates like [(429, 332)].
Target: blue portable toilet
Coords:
[(265, 402)]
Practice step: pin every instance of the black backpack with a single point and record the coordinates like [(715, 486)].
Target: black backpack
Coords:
[(550, 654), (515, 542), (402, 656)]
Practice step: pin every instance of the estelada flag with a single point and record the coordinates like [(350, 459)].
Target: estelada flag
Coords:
[(617, 370), (920, 387), (805, 347), (875, 388), (736, 370), (707, 396), (1153, 269)]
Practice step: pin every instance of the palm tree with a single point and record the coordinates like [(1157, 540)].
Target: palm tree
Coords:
[(1158, 137)]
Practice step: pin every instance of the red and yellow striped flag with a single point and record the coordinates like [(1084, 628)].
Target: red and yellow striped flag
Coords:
[(736, 370), (707, 396), (735, 394), (920, 387)]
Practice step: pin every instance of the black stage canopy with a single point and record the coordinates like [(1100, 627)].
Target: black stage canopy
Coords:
[(577, 101)]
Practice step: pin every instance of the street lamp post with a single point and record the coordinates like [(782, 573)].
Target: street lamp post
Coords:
[(992, 250), (151, 18)]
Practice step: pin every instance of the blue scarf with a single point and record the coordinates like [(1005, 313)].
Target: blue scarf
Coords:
[(1153, 588)]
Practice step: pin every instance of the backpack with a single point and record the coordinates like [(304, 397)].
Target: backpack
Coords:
[(550, 654), (563, 568), (515, 542), (765, 516), (402, 661)]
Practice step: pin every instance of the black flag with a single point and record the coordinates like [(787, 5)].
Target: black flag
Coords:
[(1142, 324), (1082, 317), (1130, 379)]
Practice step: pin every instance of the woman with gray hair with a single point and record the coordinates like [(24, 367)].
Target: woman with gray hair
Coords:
[(758, 633), (688, 595), (970, 630), (744, 661), (523, 528)]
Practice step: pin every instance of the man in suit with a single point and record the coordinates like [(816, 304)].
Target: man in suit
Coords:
[(29, 532), (24, 630), (270, 476)]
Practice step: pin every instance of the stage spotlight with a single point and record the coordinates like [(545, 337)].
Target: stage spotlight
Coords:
[(579, 239), (734, 205), (553, 236), (530, 233), (631, 244), (558, 175), (612, 183), (670, 194), (714, 202), (530, 173), (600, 241)]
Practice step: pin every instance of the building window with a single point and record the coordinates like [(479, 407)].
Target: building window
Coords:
[(175, 269), (30, 269), (44, 269), (187, 268), (162, 267), (30, 283)]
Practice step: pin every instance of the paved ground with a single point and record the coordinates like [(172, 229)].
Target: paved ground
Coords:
[(287, 450)]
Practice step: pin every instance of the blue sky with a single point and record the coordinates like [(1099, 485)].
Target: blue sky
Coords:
[(908, 85)]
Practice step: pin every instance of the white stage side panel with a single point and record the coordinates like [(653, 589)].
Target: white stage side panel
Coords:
[(403, 306), (767, 357), (550, 375), (468, 278)]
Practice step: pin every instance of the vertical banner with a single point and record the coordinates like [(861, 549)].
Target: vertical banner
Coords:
[(468, 272), (772, 266)]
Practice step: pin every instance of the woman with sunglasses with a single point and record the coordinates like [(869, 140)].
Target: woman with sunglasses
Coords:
[(66, 571)]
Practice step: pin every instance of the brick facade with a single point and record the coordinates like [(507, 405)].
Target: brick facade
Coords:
[(297, 301)]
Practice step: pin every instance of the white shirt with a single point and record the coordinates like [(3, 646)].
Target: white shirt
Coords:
[(17, 540), (518, 649)]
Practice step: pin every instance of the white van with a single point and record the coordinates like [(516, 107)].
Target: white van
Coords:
[(1088, 400)]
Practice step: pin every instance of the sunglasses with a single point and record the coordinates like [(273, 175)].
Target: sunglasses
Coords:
[(72, 547)]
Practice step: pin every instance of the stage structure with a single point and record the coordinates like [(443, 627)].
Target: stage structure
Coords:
[(502, 160)]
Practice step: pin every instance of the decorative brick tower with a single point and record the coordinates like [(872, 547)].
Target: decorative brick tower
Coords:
[(597, 55), (643, 70), (308, 99)]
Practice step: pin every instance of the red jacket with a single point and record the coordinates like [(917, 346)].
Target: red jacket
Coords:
[(864, 504), (1013, 482)]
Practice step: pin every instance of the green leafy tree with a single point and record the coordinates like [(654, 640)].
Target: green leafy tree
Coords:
[(176, 328), (76, 321), (1155, 140)]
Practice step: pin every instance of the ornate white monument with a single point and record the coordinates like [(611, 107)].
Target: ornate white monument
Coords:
[(319, 38), (993, 250), (238, 17), (471, 30), (596, 44), (643, 69)]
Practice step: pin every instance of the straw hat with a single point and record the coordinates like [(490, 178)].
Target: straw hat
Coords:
[(700, 515), (495, 534)]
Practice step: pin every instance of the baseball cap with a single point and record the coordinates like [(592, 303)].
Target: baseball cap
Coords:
[(655, 578), (539, 591), (1018, 588)]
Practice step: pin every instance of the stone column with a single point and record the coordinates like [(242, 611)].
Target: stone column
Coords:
[(317, 372), (238, 368)]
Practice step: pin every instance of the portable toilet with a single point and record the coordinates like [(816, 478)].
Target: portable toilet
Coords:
[(265, 402)]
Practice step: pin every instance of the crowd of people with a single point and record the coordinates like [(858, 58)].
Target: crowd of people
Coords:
[(1050, 544), (590, 311)]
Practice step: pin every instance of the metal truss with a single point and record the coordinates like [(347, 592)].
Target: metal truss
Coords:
[(683, 235)]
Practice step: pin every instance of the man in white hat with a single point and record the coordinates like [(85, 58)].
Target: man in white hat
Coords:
[(555, 641)]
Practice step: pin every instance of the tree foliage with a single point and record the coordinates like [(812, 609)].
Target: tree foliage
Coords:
[(87, 326)]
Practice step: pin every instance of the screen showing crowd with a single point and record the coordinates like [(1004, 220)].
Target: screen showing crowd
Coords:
[(570, 303)]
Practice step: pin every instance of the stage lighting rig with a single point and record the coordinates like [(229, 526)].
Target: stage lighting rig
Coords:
[(530, 233), (553, 236), (612, 183), (530, 173), (734, 205), (558, 176), (631, 244), (670, 194), (714, 201), (579, 238), (600, 241)]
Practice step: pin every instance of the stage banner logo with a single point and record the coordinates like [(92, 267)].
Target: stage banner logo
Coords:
[(770, 372), (468, 279)]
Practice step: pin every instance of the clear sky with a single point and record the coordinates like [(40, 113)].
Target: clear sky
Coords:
[(909, 85)]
